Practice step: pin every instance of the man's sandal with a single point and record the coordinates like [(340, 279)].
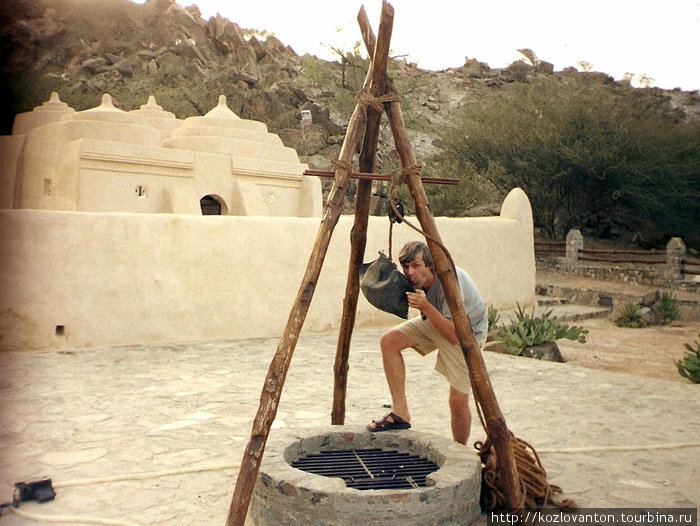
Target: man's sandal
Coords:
[(387, 423)]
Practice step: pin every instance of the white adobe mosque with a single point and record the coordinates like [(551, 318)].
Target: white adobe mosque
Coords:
[(130, 228), (146, 161)]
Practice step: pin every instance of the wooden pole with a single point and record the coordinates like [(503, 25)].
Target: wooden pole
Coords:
[(483, 391), (380, 177), (481, 384), (277, 371), (358, 235)]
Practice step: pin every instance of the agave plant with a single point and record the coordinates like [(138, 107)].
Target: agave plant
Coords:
[(689, 366), (528, 331), (493, 317), (666, 308), (630, 315)]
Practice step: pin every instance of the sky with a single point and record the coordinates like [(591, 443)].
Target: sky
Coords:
[(647, 38)]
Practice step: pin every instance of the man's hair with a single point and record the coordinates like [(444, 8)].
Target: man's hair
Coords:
[(411, 249)]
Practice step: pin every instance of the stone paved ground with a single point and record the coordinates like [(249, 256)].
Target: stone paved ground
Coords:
[(111, 426)]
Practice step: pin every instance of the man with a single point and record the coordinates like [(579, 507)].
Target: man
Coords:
[(434, 329)]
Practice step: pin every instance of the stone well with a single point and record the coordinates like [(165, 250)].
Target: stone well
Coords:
[(286, 496)]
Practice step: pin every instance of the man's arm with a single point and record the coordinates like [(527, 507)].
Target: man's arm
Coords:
[(445, 326)]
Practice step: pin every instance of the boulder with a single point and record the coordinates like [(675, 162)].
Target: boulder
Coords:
[(545, 351)]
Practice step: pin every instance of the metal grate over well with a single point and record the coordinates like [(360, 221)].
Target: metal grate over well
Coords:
[(370, 468)]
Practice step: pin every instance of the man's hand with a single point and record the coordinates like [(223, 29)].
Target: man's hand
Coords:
[(445, 326), (418, 300)]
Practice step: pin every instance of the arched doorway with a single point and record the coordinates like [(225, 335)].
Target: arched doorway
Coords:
[(212, 205)]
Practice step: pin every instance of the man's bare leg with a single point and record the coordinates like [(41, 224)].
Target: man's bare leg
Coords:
[(391, 344), (461, 418)]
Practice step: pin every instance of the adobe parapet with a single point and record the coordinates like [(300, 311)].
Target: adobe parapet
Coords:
[(146, 161)]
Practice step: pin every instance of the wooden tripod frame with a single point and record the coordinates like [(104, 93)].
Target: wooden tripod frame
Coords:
[(376, 87)]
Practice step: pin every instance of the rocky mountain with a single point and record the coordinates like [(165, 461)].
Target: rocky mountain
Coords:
[(84, 48)]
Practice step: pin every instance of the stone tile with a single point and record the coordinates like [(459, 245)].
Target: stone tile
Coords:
[(134, 411)]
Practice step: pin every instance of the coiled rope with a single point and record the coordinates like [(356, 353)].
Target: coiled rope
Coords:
[(535, 491)]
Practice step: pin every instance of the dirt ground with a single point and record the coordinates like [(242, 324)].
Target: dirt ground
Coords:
[(648, 351)]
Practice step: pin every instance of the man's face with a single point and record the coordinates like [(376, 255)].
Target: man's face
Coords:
[(420, 276)]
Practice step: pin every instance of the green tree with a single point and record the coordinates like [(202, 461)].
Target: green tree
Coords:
[(584, 149)]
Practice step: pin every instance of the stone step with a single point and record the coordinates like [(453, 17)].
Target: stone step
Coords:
[(550, 300), (572, 312), (688, 302), (595, 298), (568, 312)]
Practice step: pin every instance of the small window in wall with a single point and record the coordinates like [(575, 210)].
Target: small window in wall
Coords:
[(212, 205)]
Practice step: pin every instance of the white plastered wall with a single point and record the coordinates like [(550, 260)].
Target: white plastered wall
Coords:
[(82, 279)]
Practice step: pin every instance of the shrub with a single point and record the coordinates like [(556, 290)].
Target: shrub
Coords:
[(666, 308), (345, 100), (630, 316), (528, 331), (320, 73), (689, 366), (582, 149), (493, 317)]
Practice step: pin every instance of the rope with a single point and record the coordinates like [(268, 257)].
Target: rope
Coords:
[(604, 449), (70, 519), (143, 475), (113, 478), (396, 179), (391, 229), (341, 164), (535, 491), (365, 99)]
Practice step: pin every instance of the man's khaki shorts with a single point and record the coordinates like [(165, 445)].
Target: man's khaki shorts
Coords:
[(450, 361)]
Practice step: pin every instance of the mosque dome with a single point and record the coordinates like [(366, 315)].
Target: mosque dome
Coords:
[(156, 116), (50, 111), (222, 131), (106, 122)]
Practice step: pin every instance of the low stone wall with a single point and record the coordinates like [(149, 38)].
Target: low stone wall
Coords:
[(645, 276), (652, 268), (670, 269), (82, 279), (631, 273), (628, 274)]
